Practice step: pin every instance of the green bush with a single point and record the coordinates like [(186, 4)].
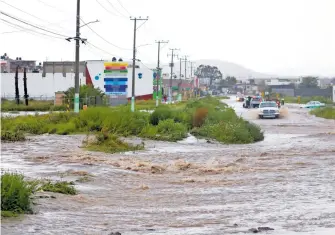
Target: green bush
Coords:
[(110, 143), (59, 187), (11, 136), (161, 113), (15, 194)]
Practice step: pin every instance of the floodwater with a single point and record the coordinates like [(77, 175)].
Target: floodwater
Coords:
[(286, 182)]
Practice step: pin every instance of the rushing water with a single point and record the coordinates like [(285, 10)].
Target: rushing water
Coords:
[(286, 182)]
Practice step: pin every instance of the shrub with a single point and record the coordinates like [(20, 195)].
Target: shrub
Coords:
[(199, 117), (160, 114), (15, 194), (59, 187), (110, 143), (11, 136), (168, 130), (255, 131)]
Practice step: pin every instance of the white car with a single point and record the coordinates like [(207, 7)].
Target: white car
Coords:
[(268, 109), (313, 104)]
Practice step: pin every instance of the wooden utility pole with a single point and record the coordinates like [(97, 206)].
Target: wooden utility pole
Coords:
[(134, 63)]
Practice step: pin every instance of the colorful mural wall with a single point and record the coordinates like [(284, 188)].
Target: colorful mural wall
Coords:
[(116, 78)]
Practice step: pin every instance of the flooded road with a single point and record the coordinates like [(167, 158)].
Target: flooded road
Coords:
[(286, 182)]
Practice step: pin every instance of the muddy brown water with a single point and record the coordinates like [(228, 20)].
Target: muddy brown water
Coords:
[(286, 182)]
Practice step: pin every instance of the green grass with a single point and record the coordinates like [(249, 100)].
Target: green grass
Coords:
[(206, 117), (15, 194), (327, 112), (33, 105), (304, 100), (12, 136), (63, 187), (110, 143)]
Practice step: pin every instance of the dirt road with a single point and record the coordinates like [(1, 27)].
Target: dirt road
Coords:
[(286, 182)]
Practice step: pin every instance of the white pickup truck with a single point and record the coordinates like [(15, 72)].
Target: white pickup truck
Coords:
[(268, 109)]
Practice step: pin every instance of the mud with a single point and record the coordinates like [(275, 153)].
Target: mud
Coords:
[(285, 182)]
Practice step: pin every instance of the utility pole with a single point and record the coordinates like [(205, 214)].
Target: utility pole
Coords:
[(134, 64), (76, 76), (192, 63), (158, 73), (171, 75), (185, 60), (77, 38)]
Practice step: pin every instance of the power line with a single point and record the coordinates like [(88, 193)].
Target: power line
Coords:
[(104, 38), (48, 5), (123, 7), (27, 29), (102, 50), (112, 13), (30, 14), (22, 21), (141, 24), (116, 9)]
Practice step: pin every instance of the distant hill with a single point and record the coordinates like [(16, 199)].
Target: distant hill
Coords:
[(227, 68), (231, 69)]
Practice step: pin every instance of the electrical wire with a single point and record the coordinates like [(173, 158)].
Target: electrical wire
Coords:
[(48, 5), (104, 38), (40, 28), (27, 29), (112, 13), (116, 9), (141, 24), (88, 43), (30, 14), (123, 7)]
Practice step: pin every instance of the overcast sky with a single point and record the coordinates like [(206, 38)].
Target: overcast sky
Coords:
[(270, 36)]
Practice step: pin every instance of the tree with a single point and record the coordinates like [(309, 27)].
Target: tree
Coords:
[(309, 82), (208, 71), (231, 80), (84, 92)]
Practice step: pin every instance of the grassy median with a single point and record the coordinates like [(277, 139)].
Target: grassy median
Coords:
[(207, 118), (327, 112), (304, 100)]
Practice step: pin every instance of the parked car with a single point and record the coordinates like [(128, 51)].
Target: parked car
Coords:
[(268, 109), (313, 104)]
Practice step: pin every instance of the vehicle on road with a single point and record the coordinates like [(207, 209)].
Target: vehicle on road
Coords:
[(255, 101), (268, 109), (313, 105), (240, 97), (246, 103)]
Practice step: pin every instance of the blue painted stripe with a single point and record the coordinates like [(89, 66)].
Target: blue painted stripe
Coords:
[(115, 87), (121, 79), (116, 83), (117, 93)]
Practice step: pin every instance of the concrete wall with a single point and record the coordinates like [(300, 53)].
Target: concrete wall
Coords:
[(63, 67), (284, 91), (306, 92), (37, 85)]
